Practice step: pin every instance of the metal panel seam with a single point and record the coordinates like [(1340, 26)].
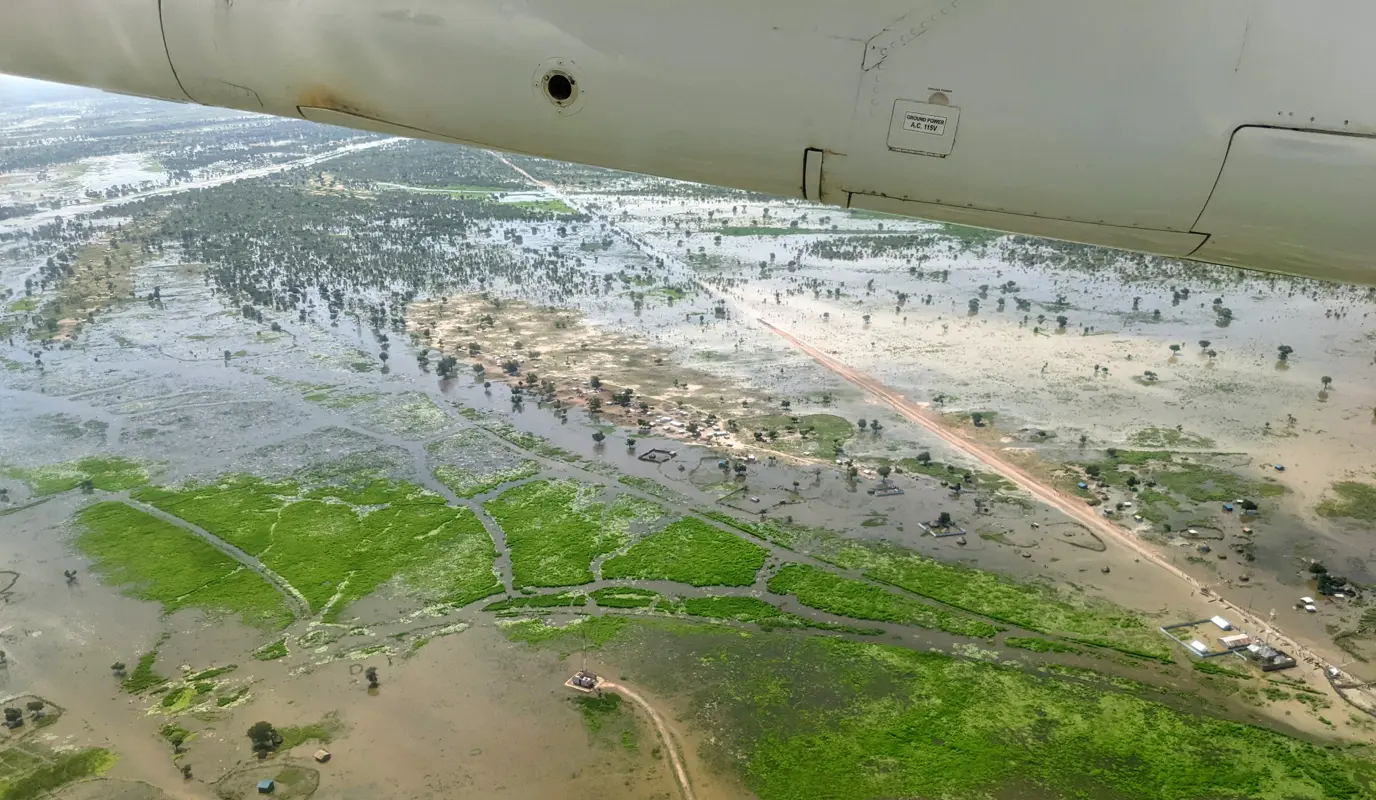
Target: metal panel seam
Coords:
[(162, 30)]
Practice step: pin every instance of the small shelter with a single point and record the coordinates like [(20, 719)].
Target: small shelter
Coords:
[(266, 785), (321, 756), (585, 680)]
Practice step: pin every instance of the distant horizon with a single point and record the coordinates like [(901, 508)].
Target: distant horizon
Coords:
[(14, 88)]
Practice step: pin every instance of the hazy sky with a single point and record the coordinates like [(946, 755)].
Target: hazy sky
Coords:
[(27, 90)]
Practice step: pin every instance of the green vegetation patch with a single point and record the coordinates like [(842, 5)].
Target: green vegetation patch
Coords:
[(240, 509), (950, 472), (40, 776), (596, 709), (554, 530), (272, 650), (338, 544), (1353, 499), (157, 561), (847, 597), (815, 435), (1036, 608), (1037, 644), (412, 415), (1211, 668), (1204, 484), (740, 609), (24, 304), (529, 441), (334, 555), (803, 717), (768, 230), (625, 597), (690, 551), (608, 721), (1169, 439), (647, 485), (109, 473), (766, 615), (470, 463), (143, 677), (213, 672), (580, 633), (560, 600), (231, 698), (339, 400), (782, 532), (323, 731), (552, 205)]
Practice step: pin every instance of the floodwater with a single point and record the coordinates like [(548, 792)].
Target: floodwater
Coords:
[(474, 715)]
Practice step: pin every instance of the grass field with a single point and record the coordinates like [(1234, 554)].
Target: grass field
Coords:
[(1206, 484), (951, 472), (778, 531), (157, 561), (411, 415), (625, 597), (689, 551), (31, 771), (551, 205), (470, 464), (335, 552), (990, 595), (529, 441), (554, 529), (805, 717), (581, 633), (110, 473), (806, 434), (819, 589), (272, 651), (1169, 439), (1351, 499), (551, 601)]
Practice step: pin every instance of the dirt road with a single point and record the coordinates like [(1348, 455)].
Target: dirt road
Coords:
[(1070, 506), (670, 747)]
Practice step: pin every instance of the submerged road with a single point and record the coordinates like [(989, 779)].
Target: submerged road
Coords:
[(79, 209), (670, 747), (991, 458), (1071, 507)]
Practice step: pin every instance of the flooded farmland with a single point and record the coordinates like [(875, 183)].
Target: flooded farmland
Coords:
[(327, 459)]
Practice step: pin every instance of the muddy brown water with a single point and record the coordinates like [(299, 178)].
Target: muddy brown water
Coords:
[(473, 714)]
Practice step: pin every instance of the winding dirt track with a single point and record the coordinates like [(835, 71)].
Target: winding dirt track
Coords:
[(1071, 507), (680, 774)]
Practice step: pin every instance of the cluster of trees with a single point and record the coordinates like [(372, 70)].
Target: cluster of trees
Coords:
[(264, 738), (1326, 582)]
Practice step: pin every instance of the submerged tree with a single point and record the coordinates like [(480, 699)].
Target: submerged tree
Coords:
[(1327, 381), (264, 738)]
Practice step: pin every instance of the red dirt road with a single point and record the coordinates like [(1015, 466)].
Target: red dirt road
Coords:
[(1070, 506)]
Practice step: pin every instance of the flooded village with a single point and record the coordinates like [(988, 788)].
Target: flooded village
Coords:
[(340, 466)]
